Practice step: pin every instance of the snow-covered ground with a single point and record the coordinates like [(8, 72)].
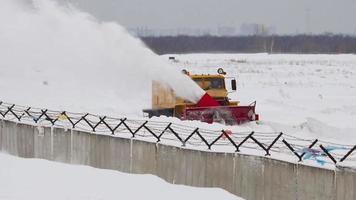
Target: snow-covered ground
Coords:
[(60, 58), (63, 59), (310, 96), (35, 179)]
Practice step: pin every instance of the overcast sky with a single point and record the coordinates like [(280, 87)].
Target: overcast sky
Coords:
[(287, 16)]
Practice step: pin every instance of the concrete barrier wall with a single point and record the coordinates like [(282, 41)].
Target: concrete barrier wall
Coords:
[(253, 178)]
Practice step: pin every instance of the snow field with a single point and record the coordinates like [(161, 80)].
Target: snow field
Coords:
[(40, 179), (303, 95)]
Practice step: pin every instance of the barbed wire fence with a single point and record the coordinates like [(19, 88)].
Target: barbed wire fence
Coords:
[(179, 134)]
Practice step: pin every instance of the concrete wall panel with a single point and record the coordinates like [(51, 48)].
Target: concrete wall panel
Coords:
[(61, 145), (168, 160), (220, 170), (279, 180), (25, 141), (192, 169), (1, 126), (43, 142), (81, 148), (315, 183), (120, 154), (9, 138), (110, 152), (100, 151), (346, 184), (143, 159), (249, 177)]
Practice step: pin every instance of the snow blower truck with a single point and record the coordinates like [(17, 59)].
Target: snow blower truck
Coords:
[(214, 106)]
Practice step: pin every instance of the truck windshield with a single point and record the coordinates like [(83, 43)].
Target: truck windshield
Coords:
[(216, 83), (210, 83)]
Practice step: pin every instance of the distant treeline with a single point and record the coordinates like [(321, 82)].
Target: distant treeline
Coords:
[(253, 44)]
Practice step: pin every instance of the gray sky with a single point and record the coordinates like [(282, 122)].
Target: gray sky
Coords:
[(287, 16)]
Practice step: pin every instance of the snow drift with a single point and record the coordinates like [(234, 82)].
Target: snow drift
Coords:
[(40, 179), (61, 58)]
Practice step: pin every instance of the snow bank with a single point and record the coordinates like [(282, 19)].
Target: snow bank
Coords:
[(61, 58), (310, 96), (39, 179)]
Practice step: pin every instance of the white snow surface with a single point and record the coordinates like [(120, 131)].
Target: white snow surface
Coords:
[(40, 179), (312, 96), (63, 59)]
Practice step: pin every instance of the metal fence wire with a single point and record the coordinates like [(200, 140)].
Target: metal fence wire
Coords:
[(179, 134)]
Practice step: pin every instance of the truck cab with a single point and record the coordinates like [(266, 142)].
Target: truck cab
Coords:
[(215, 86)]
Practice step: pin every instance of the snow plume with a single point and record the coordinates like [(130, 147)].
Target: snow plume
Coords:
[(62, 58)]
